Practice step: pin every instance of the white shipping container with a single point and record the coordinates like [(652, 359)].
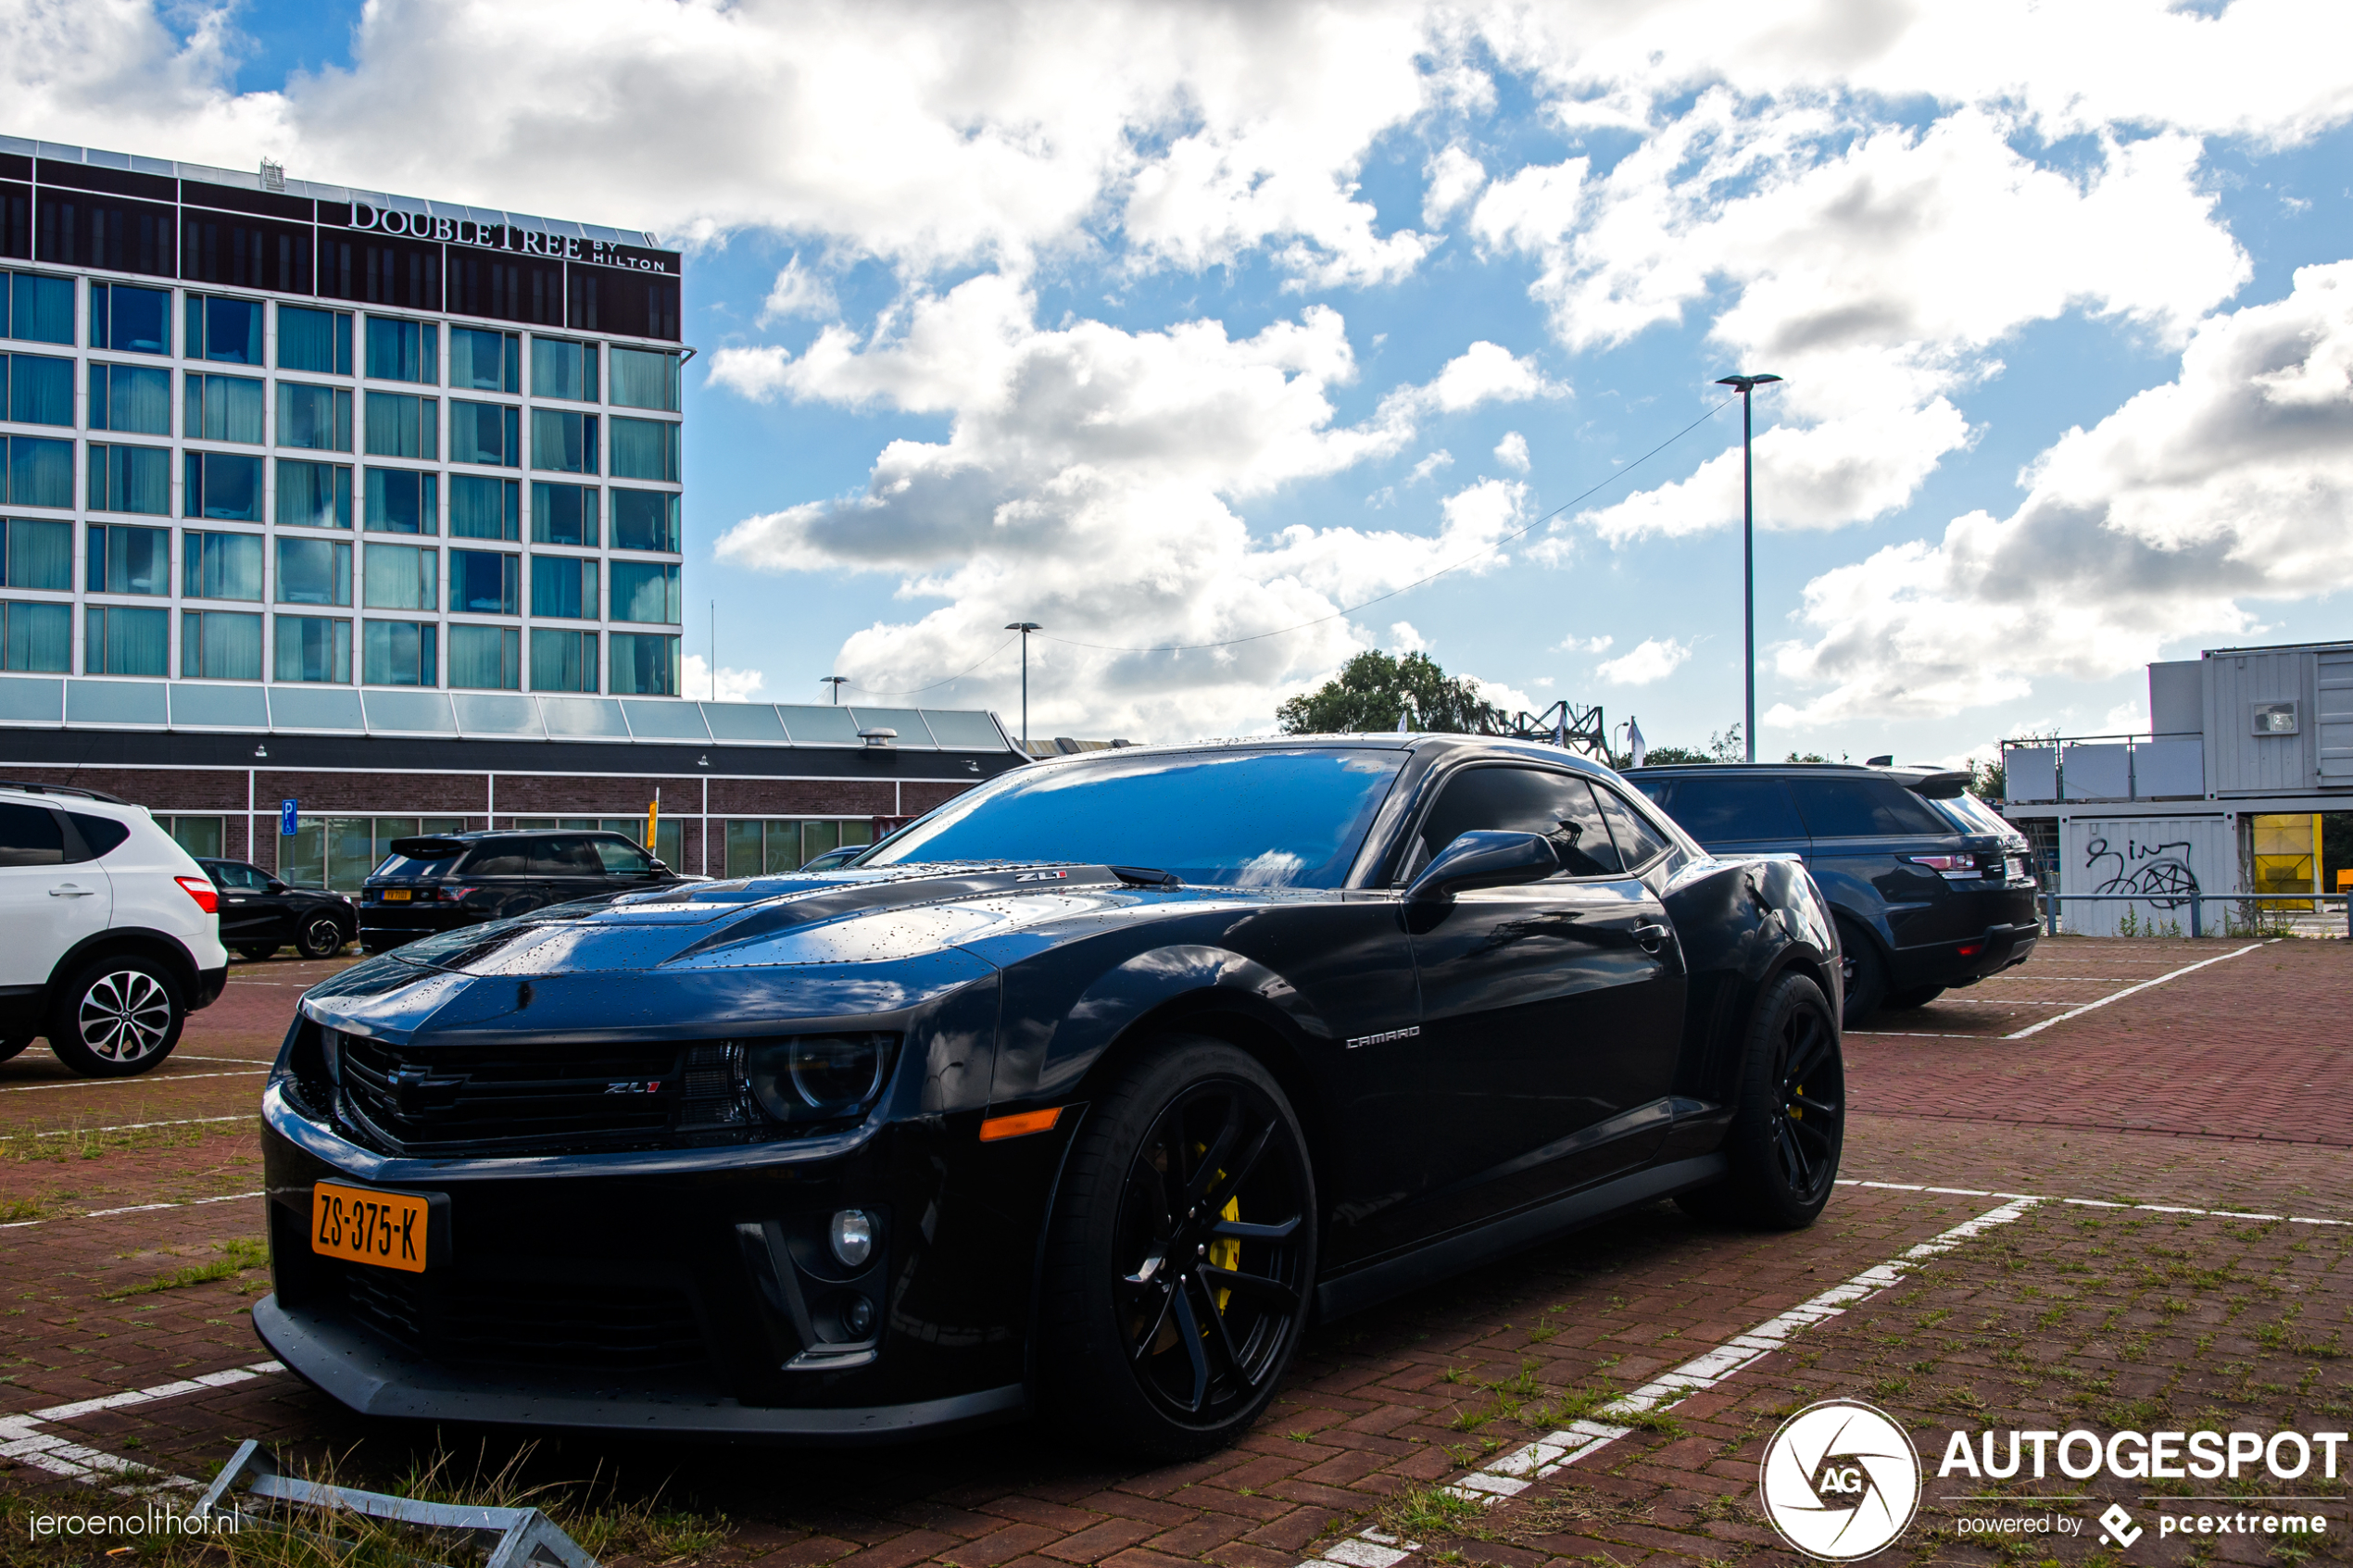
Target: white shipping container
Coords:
[(2159, 859)]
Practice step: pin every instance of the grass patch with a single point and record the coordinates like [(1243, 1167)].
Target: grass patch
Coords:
[(1419, 1512), (237, 1256), (71, 1143)]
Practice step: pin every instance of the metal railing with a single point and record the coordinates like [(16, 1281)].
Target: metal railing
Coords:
[(2168, 901)]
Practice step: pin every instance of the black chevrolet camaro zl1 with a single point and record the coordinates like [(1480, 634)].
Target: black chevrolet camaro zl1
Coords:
[(1084, 1093)]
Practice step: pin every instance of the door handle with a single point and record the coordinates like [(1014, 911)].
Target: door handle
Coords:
[(1650, 934), (68, 890)]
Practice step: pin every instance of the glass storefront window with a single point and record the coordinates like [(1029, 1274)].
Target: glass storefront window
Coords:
[(338, 852), (778, 846)]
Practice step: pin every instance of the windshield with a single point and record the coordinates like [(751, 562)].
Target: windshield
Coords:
[(402, 868), (1247, 818), (1975, 815)]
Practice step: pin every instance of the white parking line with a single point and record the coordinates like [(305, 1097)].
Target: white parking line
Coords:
[(125, 1127), (169, 1078), (2130, 990), (22, 1439), (133, 1209)]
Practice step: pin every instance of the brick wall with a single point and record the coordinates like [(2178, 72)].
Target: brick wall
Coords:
[(796, 798), (917, 798), (529, 795), (377, 795), (159, 789)]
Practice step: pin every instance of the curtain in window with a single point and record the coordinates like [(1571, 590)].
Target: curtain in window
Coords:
[(564, 662), (403, 426), (125, 479), (313, 571), (222, 484), (644, 519), (399, 577), (223, 408), (485, 432), (131, 398), (315, 417), (40, 389), (221, 566), (314, 649), (563, 370), (564, 442), (404, 350), (36, 637), (313, 494), (564, 586), (40, 555), (130, 560), (400, 653), (40, 471), (483, 581), (645, 380), (41, 308), (645, 591), (403, 501), (220, 646), (126, 642), (314, 340), (482, 507), (563, 514), (484, 361), (224, 330), (645, 449), (644, 664), (487, 658)]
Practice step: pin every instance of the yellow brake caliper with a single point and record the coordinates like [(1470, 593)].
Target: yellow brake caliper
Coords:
[(1227, 1254)]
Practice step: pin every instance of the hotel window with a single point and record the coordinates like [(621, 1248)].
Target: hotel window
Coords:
[(563, 514), (645, 519), (36, 472), (226, 486), (125, 479), (563, 442), (222, 408), (563, 662), (118, 641), (219, 644), (314, 572), (37, 389), (36, 555), (36, 309), (127, 560), (317, 417), (563, 368), (36, 639), (130, 320), (400, 653), (133, 399), (228, 331), (403, 501), (313, 648), (221, 566), (484, 361), (486, 433), (313, 494), (644, 378), (645, 449), (644, 664), (401, 577), (400, 425), (318, 341), (484, 583), (563, 587), (482, 507), (485, 657), (401, 350), (646, 592)]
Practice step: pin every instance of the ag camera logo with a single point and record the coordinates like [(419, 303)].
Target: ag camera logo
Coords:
[(1840, 1480)]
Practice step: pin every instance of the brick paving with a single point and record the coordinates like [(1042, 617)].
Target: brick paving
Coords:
[(1383, 1405)]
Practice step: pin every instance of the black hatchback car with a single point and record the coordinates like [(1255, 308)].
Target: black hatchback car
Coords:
[(441, 882), (1932, 888), (259, 914)]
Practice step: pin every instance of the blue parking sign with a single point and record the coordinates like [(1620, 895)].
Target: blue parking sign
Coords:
[(285, 819)]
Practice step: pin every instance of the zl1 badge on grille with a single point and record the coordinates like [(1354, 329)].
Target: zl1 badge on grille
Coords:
[(363, 1225)]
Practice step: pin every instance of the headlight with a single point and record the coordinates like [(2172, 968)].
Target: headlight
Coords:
[(818, 1078)]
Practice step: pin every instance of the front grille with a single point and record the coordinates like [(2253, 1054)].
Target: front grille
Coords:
[(452, 1099), (599, 1325)]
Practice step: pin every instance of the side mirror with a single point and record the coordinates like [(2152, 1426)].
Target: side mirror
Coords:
[(1485, 859), (656, 868), (277, 887)]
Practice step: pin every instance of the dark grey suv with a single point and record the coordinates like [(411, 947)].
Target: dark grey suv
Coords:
[(1932, 890)]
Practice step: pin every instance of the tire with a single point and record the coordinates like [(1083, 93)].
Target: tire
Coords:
[(254, 952), (15, 1046), (1790, 1123), (1126, 1356), (1918, 997), (320, 937), (117, 1018), (1866, 974)]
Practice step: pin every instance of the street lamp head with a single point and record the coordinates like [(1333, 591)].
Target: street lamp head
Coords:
[(1022, 626), (1744, 384)]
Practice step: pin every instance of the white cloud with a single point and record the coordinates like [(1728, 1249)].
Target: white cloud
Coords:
[(1653, 659), (1454, 177), (1434, 463), (755, 372), (734, 685), (1512, 451), (2234, 481), (1573, 643), (1486, 372), (1404, 639), (798, 291)]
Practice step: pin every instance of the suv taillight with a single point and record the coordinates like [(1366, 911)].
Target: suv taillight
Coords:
[(208, 896), (1965, 864)]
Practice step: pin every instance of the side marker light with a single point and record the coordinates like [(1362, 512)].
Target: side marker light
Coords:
[(1018, 1126)]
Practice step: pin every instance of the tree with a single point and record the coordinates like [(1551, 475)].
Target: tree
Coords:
[(1373, 689), (1989, 782)]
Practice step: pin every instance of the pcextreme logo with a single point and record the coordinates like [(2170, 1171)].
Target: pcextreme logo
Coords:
[(1840, 1480)]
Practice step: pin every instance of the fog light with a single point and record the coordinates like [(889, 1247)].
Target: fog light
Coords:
[(852, 1236), (858, 1317)]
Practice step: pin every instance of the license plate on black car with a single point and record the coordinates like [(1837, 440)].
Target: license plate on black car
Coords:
[(362, 1225)]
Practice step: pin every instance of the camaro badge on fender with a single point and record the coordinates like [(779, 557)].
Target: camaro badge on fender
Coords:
[(1384, 1039)]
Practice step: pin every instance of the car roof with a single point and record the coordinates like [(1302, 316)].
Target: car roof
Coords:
[(72, 791), (1407, 741)]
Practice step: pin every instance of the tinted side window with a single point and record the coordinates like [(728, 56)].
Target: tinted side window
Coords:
[(1728, 810), (100, 835), (1864, 808), (1524, 800), (1638, 841), (622, 859), (29, 836), (565, 857), (498, 859)]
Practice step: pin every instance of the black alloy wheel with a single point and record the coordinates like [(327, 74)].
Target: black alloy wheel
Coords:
[(1789, 1124), (321, 936), (1182, 1255)]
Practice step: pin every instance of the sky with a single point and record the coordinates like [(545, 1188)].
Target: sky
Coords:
[(1228, 341)]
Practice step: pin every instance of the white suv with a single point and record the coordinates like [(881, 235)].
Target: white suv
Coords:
[(110, 932)]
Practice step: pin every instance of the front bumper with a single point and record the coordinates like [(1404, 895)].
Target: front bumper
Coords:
[(640, 1291)]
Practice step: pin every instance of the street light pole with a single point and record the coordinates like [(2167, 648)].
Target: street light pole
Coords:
[(1745, 385), (834, 681), (1024, 628)]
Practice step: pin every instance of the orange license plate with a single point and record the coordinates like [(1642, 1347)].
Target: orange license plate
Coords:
[(395, 894), (363, 1225)]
